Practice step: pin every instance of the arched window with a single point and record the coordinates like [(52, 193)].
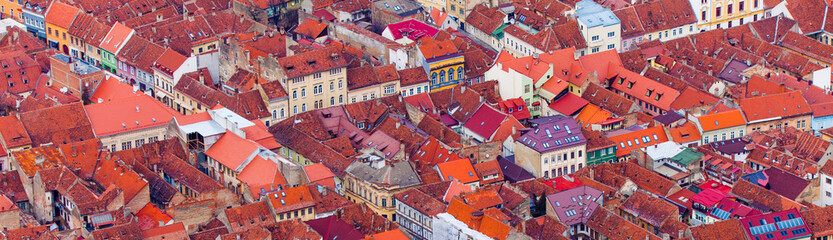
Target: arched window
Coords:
[(303, 107), (451, 74), (442, 76), (295, 109), (460, 72), (282, 113), (332, 101), (294, 94), (274, 114), (434, 78)]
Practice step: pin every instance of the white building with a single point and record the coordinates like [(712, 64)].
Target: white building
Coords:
[(599, 26), (826, 188), (445, 226)]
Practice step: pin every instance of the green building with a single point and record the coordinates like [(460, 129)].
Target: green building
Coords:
[(600, 149)]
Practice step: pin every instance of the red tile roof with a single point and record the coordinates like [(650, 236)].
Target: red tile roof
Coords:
[(485, 121), (313, 61), (569, 104), (118, 36), (727, 229), (311, 28), (13, 133), (65, 123), (261, 176), (231, 150), (634, 140), (460, 169), (647, 90), (610, 225), (776, 105), (170, 60), (722, 120), (60, 14), (109, 89), (128, 114), (650, 209)]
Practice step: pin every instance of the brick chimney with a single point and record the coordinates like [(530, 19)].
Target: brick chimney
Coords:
[(476, 218)]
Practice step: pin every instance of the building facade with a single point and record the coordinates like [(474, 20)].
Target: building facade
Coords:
[(554, 147), (316, 79)]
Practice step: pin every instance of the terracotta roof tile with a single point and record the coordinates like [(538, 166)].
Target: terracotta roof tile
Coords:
[(421, 202), (608, 100), (65, 123), (128, 114), (124, 231), (728, 229), (310, 62), (60, 14), (293, 229), (755, 194), (649, 209), (13, 133), (254, 214), (784, 105), (611, 225)]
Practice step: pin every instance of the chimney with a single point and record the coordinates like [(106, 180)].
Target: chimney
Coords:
[(476, 218), (15, 35)]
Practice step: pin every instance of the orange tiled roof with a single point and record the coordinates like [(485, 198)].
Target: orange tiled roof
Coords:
[(60, 14), (460, 169), (262, 175), (231, 150), (291, 199), (634, 140), (776, 105), (688, 132), (13, 133), (128, 114), (722, 120)]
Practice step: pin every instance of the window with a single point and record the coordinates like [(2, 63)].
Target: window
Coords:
[(460, 73), (303, 92), (611, 34), (332, 101), (595, 50), (451, 74), (316, 75), (339, 84), (304, 107), (335, 71), (294, 110), (332, 86), (340, 99), (756, 6), (740, 7), (294, 94), (442, 76), (611, 46), (594, 38), (717, 12), (434, 78), (729, 8)]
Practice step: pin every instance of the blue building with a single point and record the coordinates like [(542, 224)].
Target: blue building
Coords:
[(33, 19)]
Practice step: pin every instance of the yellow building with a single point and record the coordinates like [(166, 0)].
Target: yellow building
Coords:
[(374, 182), (11, 9), (726, 13), (57, 19), (443, 62)]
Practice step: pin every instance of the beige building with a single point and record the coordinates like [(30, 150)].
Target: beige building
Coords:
[(315, 79), (277, 101), (554, 147), (372, 180), (721, 126), (368, 82), (129, 122), (776, 111), (292, 203)]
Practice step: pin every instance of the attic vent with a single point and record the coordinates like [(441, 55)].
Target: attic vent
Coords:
[(123, 126)]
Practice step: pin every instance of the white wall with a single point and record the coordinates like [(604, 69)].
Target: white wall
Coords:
[(445, 226)]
